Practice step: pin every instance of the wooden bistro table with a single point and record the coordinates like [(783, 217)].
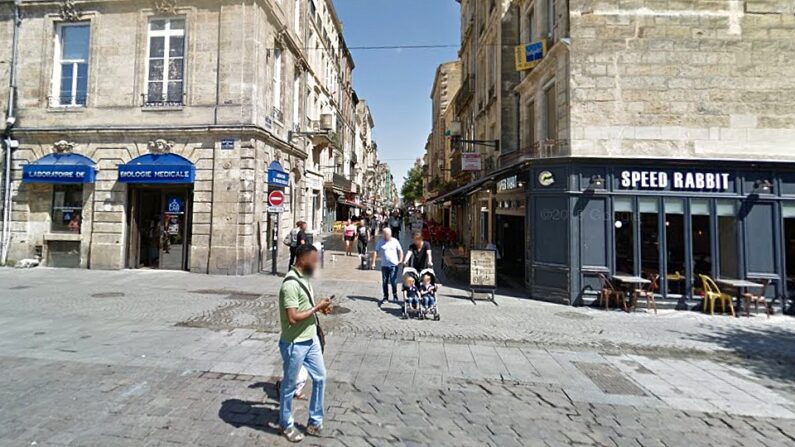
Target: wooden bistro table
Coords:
[(637, 281), (739, 285)]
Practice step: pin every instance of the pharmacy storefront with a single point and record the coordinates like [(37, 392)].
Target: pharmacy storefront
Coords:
[(673, 221)]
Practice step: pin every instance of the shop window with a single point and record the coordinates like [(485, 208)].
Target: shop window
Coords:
[(649, 236), (675, 246), (727, 239), (67, 208), (166, 62), (702, 241), (70, 73), (624, 235)]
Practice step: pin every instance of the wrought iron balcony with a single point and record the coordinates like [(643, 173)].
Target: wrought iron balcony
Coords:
[(162, 101), (79, 101), (338, 181)]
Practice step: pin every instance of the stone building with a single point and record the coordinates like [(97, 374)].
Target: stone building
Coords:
[(655, 141), (151, 132), (445, 86)]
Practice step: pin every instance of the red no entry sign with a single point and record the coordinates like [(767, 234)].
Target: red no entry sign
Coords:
[(276, 198)]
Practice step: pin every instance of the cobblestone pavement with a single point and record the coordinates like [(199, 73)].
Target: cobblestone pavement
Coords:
[(162, 358)]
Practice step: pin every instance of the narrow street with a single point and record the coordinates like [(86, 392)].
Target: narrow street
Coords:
[(154, 358)]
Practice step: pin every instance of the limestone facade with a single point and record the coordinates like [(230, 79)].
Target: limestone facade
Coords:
[(242, 93), (682, 80)]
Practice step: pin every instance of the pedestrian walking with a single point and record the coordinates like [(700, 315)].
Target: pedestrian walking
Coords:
[(300, 343), (394, 225), (291, 240), (389, 251), (348, 235), (374, 225), (362, 238), (419, 254)]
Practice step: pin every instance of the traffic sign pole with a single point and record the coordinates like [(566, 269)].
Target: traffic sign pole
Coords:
[(275, 254)]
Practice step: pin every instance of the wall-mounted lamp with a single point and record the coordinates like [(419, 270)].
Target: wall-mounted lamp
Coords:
[(763, 187), (597, 181)]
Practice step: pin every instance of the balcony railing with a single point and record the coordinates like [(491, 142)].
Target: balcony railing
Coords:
[(79, 101), (162, 101), (338, 181)]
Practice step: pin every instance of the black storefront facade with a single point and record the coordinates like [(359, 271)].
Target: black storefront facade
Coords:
[(674, 218)]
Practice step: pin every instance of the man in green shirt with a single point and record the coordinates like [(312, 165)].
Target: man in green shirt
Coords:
[(299, 344)]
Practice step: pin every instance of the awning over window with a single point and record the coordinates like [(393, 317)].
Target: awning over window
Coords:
[(60, 168), (158, 168)]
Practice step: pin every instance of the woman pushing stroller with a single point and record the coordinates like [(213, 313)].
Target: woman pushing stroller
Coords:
[(419, 280)]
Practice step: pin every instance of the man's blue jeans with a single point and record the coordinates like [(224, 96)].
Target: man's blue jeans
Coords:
[(309, 354), (389, 276)]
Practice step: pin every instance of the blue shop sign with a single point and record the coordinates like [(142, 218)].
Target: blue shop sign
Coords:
[(60, 168), (158, 169), (175, 205), (277, 176)]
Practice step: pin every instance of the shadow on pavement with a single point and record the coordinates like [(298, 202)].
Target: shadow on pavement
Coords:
[(387, 308), (256, 415), (770, 351)]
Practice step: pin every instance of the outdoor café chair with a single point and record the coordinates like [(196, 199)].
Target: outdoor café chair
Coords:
[(647, 292), (713, 293), (749, 298), (609, 292)]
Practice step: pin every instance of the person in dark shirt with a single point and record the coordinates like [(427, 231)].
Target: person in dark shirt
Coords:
[(301, 237), (418, 256)]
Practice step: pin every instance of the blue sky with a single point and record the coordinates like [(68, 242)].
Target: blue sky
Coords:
[(397, 82)]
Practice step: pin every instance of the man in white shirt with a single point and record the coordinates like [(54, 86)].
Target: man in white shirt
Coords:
[(390, 252)]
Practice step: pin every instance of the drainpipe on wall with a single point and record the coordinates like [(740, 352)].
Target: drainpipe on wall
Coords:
[(8, 142)]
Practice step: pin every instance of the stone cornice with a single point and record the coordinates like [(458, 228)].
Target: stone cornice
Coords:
[(176, 133)]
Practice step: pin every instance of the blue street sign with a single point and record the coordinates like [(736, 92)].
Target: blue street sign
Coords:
[(228, 144), (277, 176)]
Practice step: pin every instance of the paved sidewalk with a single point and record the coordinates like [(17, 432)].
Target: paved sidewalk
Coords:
[(163, 358)]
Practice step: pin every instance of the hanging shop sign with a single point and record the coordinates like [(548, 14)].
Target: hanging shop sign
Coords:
[(277, 176), (530, 55), (471, 162), (676, 180)]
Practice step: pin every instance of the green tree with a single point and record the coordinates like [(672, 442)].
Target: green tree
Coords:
[(412, 186)]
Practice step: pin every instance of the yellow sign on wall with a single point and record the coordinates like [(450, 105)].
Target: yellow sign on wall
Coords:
[(530, 55)]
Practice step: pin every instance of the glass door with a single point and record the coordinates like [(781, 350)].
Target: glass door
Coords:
[(174, 236), (623, 221), (788, 212), (675, 281), (701, 230), (649, 209), (728, 253)]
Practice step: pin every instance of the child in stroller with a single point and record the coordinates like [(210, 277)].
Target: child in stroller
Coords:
[(411, 295), (419, 301), (428, 294)]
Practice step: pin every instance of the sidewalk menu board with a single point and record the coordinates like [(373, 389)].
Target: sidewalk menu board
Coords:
[(483, 269)]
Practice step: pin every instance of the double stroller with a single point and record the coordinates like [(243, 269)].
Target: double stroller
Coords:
[(425, 306)]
